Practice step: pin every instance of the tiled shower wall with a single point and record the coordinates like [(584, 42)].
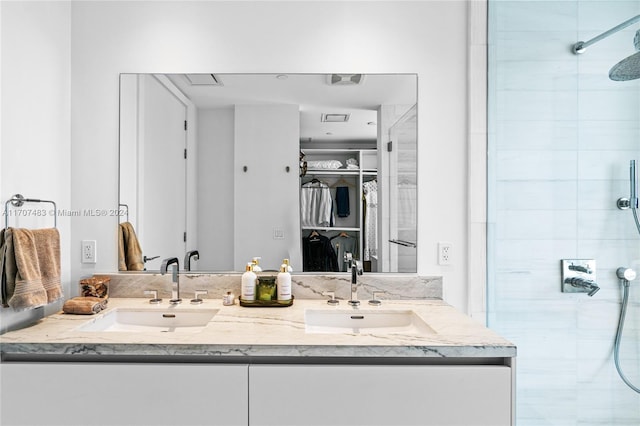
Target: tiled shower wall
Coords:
[(561, 135)]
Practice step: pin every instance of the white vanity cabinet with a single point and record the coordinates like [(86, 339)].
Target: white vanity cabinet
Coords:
[(305, 395), (81, 394)]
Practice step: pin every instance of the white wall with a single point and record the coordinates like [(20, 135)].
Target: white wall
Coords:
[(35, 122), (427, 37), (215, 189), (267, 141), (561, 137)]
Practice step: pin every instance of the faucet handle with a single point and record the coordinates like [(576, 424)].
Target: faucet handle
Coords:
[(333, 301), (154, 300), (197, 300), (374, 299)]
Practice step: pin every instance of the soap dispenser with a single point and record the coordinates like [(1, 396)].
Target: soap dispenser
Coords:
[(255, 262), (248, 288), (284, 283)]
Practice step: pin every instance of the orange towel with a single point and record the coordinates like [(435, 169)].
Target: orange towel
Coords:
[(129, 251), (30, 267), (84, 305)]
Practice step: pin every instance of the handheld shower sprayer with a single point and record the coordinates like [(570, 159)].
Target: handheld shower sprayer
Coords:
[(632, 201), (633, 196), (626, 275), (633, 185)]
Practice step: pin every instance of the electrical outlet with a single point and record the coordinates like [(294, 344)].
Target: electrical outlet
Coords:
[(445, 253), (89, 251)]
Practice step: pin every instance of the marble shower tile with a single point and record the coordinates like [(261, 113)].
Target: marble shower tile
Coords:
[(608, 104), (536, 165), (536, 16), (610, 135), (538, 105), (533, 135), (536, 224), (605, 164), (536, 195)]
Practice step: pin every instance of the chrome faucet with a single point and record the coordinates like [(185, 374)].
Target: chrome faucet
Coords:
[(356, 269), (187, 259), (175, 289)]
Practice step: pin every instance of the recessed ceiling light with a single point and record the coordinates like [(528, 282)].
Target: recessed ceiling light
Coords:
[(335, 118)]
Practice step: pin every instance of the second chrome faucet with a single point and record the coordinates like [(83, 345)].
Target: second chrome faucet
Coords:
[(175, 278), (356, 269)]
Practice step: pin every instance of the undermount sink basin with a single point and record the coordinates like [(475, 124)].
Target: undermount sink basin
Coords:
[(365, 321), (151, 320)]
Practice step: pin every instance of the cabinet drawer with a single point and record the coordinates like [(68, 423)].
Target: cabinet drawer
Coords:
[(379, 395)]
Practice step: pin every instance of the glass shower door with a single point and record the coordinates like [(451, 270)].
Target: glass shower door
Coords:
[(403, 193)]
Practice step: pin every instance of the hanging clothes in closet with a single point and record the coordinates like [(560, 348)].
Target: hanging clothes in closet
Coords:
[(342, 201), (370, 207), (342, 244), (318, 254), (316, 205)]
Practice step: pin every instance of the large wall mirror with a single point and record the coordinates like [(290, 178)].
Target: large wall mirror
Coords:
[(308, 167)]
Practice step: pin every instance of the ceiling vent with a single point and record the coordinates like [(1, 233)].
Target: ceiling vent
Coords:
[(344, 79), (335, 118), (204, 80)]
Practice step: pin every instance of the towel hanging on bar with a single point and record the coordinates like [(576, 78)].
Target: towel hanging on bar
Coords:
[(30, 271)]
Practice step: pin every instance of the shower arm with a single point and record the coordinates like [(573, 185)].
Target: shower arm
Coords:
[(581, 46)]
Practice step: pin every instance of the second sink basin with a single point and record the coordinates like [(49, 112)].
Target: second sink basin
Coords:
[(365, 321), (151, 320)]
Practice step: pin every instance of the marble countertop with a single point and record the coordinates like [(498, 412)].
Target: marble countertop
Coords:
[(237, 331)]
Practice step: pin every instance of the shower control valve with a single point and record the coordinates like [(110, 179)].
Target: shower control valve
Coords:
[(579, 276)]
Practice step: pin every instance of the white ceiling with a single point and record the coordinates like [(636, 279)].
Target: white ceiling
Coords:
[(314, 96)]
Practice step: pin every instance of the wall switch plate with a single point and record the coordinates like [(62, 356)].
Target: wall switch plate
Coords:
[(445, 253), (89, 251), (278, 233)]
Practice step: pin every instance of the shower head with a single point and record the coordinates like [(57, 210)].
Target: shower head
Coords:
[(628, 68)]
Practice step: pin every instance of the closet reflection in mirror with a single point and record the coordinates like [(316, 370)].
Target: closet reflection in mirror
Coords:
[(310, 167)]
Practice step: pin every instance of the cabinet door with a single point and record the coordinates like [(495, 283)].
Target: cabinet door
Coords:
[(379, 395), (123, 394)]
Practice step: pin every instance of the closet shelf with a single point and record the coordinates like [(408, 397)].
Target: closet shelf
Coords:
[(333, 172), (330, 228)]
